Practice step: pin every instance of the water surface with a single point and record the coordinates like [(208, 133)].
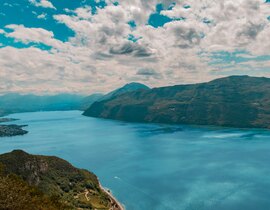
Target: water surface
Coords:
[(154, 167)]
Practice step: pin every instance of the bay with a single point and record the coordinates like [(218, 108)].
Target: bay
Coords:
[(156, 167)]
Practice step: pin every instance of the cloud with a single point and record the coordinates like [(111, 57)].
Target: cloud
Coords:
[(148, 72), (130, 48), (36, 35), (35, 70), (7, 5), (42, 3), (84, 12), (198, 45), (42, 16)]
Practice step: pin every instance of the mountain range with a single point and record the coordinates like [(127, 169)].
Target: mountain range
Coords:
[(14, 102), (235, 101)]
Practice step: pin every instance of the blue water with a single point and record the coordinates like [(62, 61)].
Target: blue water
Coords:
[(154, 167)]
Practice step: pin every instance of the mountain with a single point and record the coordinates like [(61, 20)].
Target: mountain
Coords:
[(13, 103), (126, 88), (45, 182), (89, 100), (235, 101)]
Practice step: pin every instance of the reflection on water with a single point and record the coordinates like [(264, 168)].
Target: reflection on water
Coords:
[(157, 166)]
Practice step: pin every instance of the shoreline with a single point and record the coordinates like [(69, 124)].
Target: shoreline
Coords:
[(118, 206), (4, 119)]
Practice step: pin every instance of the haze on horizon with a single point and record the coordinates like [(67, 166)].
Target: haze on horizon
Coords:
[(88, 46)]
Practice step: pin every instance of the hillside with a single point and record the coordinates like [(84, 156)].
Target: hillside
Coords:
[(235, 101), (89, 100), (49, 180)]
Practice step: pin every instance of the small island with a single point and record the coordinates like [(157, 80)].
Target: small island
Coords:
[(12, 130)]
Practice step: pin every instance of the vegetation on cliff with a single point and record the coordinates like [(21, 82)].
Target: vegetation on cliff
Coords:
[(44, 182), (235, 101)]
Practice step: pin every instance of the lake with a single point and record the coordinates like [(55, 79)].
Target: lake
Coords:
[(157, 167)]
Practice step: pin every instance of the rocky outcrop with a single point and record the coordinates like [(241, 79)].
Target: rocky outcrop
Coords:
[(12, 130)]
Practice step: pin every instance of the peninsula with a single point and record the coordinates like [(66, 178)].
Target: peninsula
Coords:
[(235, 101)]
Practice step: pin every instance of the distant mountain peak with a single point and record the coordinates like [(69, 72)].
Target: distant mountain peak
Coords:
[(135, 84), (124, 89)]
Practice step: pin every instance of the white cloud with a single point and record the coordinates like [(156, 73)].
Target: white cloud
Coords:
[(100, 57), (42, 16), (7, 5), (84, 13), (42, 3), (28, 35)]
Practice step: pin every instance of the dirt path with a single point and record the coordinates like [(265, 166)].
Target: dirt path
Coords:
[(86, 195)]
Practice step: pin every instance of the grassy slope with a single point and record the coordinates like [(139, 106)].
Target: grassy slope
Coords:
[(54, 181), (16, 194)]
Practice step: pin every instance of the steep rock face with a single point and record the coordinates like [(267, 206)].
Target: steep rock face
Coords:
[(56, 177), (236, 101)]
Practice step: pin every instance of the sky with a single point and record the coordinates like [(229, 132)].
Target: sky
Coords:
[(90, 46)]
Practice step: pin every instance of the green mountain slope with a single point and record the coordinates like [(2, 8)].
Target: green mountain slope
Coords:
[(236, 101), (89, 100), (15, 194), (49, 179)]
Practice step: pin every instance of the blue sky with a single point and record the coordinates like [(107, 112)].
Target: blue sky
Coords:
[(87, 46), (23, 12)]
